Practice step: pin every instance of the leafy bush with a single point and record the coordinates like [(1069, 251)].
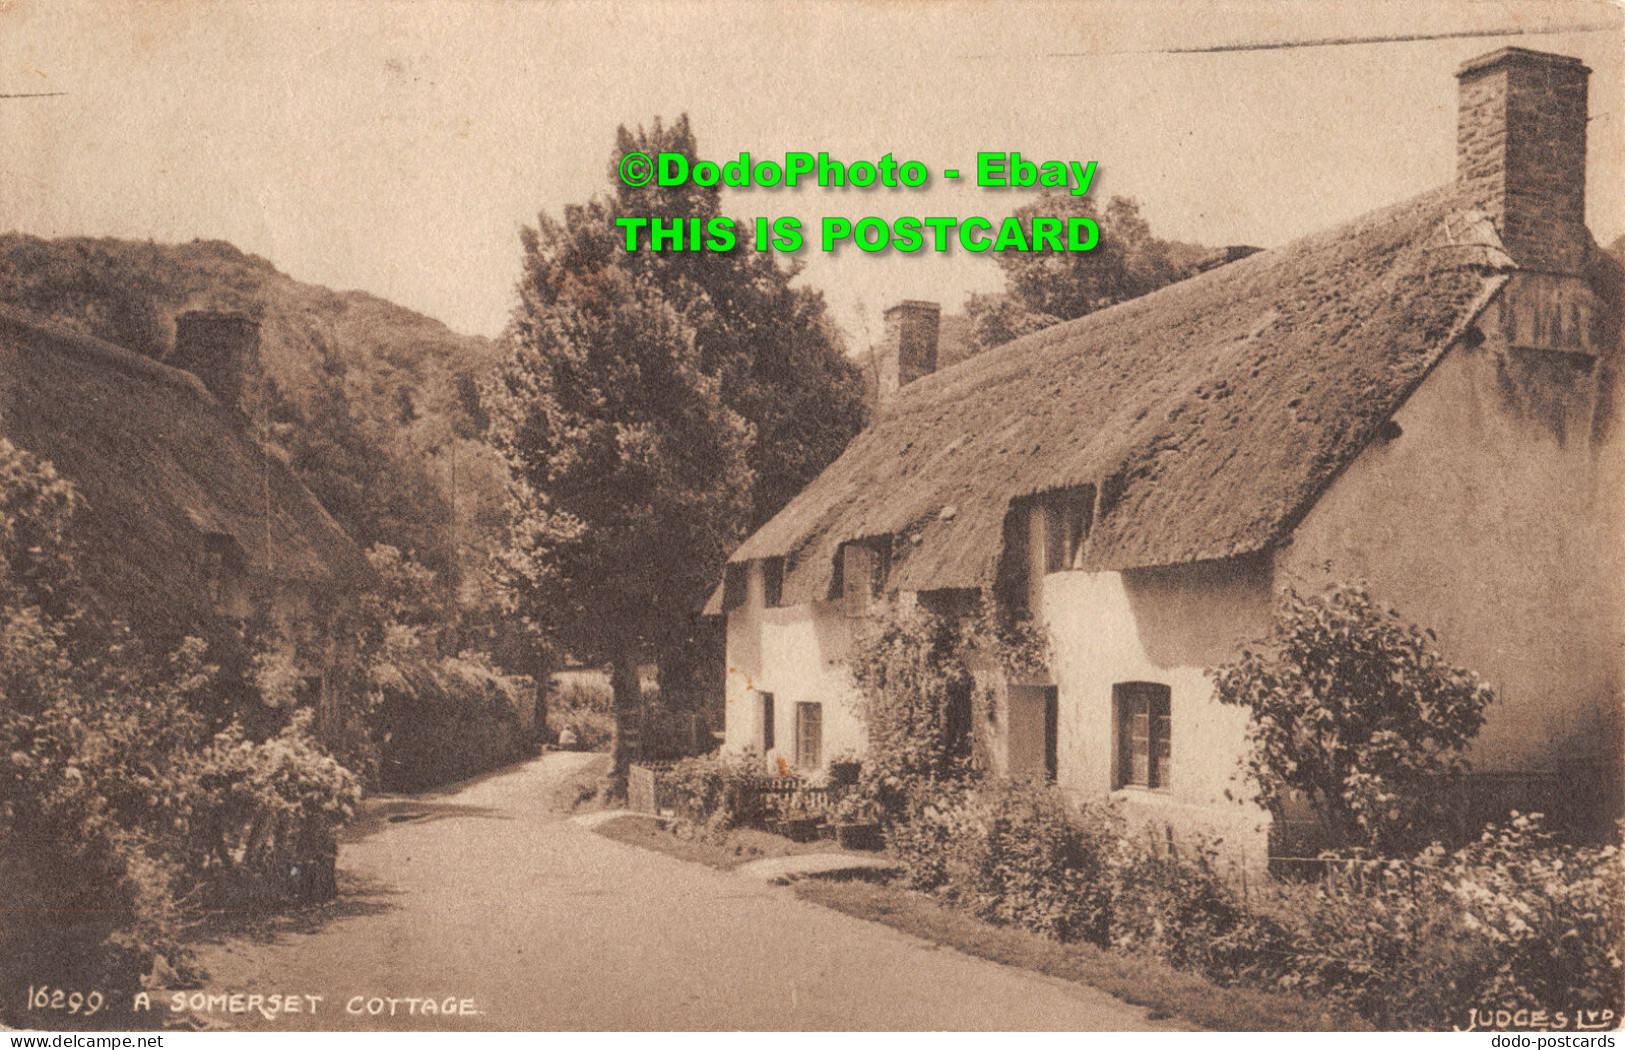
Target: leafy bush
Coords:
[(915, 691), (586, 710), (445, 718), (708, 789), (1554, 913), (261, 816), (1169, 901), (434, 716), (120, 812), (1352, 709), (1021, 856), (1512, 921), (921, 825)]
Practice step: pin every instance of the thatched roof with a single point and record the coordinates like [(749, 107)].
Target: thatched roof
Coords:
[(160, 465), (1219, 407)]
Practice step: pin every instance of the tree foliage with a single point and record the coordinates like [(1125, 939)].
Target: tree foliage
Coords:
[(777, 355), (629, 468), (1046, 287), (1352, 709), (653, 407)]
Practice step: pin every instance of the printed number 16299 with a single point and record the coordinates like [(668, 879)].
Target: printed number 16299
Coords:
[(48, 998)]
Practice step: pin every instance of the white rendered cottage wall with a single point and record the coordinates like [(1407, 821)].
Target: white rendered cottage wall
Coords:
[(1164, 626), (1492, 515), (798, 654)]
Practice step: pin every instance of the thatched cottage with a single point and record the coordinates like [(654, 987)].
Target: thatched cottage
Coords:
[(185, 514), (1425, 399)]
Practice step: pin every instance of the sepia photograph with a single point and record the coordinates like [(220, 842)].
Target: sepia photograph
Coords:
[(729, 516)]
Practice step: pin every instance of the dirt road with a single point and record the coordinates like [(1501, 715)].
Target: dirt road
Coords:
[(495, 912)]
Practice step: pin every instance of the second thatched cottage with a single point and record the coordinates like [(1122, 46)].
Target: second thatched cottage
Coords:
[(1425, 399), (186, 517)]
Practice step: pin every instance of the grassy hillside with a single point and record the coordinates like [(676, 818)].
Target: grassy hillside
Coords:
[(370, 402)]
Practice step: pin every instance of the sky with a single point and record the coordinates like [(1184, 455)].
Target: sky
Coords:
[(398, 147)]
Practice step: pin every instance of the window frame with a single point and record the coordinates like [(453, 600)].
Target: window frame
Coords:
[(1152, 701), (769, 723), (807, 740), (772, 583), (1068, 518), (735, 586)]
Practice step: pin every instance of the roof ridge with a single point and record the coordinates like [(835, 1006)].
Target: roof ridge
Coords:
[(1365, 221), (111, 354)]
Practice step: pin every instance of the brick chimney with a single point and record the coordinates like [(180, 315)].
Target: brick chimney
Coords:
[(217, 348), (1521, 147), (910, 347)]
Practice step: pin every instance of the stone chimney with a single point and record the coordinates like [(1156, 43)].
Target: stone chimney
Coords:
[(217, 348), (910, 347), (1521, 147)]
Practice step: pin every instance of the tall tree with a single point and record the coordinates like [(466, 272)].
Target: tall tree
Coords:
[(630, 470), (1046, 287), (779, 357), (730, 379)]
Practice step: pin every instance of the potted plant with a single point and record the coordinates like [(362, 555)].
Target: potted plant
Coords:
[(857, 823)]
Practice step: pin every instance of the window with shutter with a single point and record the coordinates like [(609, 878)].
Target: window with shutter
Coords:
[(767, 722)]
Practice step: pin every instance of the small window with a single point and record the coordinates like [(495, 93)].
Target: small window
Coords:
[(767, 722), (1144, 741), (1067, 517), (809, 735), (733, 587), (773, 582), (225, 571), (863, 574)]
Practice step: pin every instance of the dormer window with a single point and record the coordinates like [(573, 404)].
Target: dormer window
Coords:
[(772, 582), (863, 573), (225, 573)]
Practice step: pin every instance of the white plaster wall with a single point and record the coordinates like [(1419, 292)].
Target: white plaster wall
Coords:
[(1495, 518), (798, 653), (1166, 626)]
